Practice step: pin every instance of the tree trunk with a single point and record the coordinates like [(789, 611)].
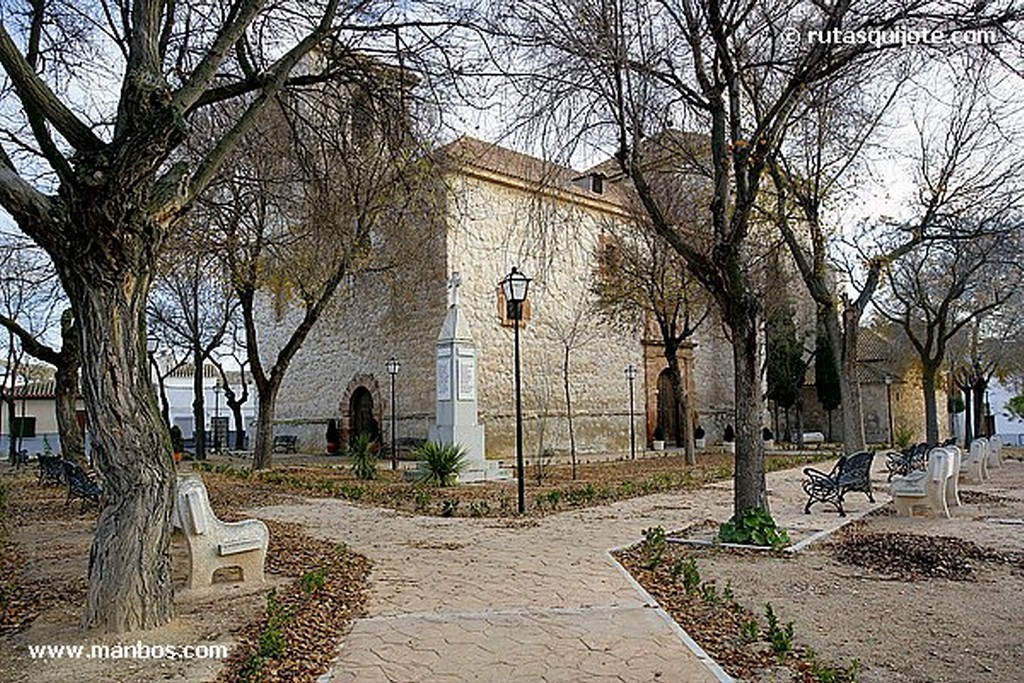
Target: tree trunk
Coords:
[(129, 562), (263, 449), (845, 339), (683, 435), (568, 409), (750, 487), (968, 418), (978, 387), (931, 413), (198, 403), (236, 411)]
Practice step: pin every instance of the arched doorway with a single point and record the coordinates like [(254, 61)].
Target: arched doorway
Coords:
[(361, 415), (668, 411)]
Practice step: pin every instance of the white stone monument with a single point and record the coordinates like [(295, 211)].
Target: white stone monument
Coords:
[(456, 421)]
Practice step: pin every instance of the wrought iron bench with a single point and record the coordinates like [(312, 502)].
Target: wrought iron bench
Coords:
[(285, 443), (51, 469), (80, 485), (851, 473), (902, 463)]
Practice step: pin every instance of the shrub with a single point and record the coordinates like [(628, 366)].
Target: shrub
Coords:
[(177, 440), (440, 464), (766, 434), (698, 433), (654, 546), (754, 527), (659, 433), (729, 435), (364, 461)]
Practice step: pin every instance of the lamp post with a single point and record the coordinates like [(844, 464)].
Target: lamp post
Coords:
[(888, 379), (515, 287), (216, 416), (393, 367), (631, 375)]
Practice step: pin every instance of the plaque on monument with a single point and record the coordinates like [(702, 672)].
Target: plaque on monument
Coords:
[(444, 377), (467, 374)]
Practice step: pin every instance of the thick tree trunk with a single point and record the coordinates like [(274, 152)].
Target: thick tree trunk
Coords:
[(845, 339), (978, 387), (129, 563), (236, 411), (263, 449), (931, 412), (750, 487)]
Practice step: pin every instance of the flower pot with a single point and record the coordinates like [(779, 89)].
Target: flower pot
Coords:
[(332, 448), (769, 445), (658, 445), (699, 443), (730, 446)]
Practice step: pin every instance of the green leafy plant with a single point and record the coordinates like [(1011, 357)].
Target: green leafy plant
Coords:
[(654, 546), (1015, 408), (709, 592), (781, 637), (440, 464), (422, 500), (691, 577), (754, 527), (364, 460), (313, 581), (750, 631), (902, 435), (827, 673)]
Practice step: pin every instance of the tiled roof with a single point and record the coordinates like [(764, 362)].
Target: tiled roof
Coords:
[(468, 151), (33, 390)]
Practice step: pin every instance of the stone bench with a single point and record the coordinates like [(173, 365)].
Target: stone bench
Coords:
[(212, 543), (975, 464), (929, 488)]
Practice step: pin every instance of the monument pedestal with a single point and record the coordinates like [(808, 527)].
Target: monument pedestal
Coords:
[(456, 421)]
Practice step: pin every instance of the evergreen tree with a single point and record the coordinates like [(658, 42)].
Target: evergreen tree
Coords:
[(826, 379)]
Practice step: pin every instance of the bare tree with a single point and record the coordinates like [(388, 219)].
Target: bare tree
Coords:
[(937, 290), (101, 194), (190, 307), (326, 188), (644, 285)]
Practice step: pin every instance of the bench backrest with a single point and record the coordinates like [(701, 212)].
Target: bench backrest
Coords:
[(940, 465), (856, 467), (979, 449), (192, 506)]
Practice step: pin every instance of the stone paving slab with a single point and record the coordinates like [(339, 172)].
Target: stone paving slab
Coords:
[(482, 600)]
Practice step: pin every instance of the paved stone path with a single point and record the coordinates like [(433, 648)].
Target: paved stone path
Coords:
[(508, 600)]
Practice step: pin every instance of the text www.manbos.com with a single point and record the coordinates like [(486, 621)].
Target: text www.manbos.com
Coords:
[(137, 650)]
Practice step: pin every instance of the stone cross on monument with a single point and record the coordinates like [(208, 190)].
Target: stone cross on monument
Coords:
[(456, 421), (453, 290)]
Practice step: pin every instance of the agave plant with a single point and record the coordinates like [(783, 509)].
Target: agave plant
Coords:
[(440, 464), (364, 460)]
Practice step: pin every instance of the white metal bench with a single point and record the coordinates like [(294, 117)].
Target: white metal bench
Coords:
[(212, 543), (925, 488)]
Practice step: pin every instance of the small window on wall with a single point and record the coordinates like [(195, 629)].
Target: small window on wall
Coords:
[(506, 320), (609, 255), (23, 427)]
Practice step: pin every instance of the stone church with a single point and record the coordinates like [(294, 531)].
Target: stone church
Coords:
[(498, 209)]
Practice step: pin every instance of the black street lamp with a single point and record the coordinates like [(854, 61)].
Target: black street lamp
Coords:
[(216, 416), (631, 375), (393, 367), (888, 379), (515, 287)]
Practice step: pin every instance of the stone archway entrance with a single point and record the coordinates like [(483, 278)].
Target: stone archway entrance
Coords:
[(361, 408), (362, 415)]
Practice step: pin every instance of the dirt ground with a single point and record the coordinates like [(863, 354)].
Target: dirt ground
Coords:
[(897, 629)]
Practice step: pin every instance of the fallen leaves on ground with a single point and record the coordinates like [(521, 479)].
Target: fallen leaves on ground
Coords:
[(912, 557)]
